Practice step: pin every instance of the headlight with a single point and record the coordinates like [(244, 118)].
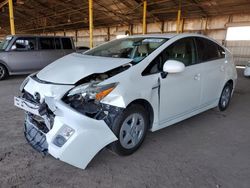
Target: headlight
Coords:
[(63, 135), (93, 90)]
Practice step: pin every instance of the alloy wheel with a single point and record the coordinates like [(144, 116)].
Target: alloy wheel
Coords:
[(132, 130), (225, 97), (2, 72)]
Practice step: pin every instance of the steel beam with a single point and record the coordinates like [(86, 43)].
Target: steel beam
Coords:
[(91, 23), (144, 21), (11, 15)]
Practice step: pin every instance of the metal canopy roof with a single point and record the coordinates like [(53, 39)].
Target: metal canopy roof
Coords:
[(33, 16)]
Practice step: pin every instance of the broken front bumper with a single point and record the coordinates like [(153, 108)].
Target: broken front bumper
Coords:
[(87, 138), (35, 137)]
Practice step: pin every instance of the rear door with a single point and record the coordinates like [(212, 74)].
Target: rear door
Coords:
[(23, 55), (212, 56), (50, 49)]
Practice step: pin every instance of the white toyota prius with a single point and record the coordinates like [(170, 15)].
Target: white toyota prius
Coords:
[(112, 95)]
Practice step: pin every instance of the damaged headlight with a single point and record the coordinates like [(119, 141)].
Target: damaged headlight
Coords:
[(93, 90), (86, 99)]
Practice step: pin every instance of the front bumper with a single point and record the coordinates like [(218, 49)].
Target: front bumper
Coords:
[(247, 71), (89, 137)]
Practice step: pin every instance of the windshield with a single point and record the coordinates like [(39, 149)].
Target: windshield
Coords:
[(5, 43), (133, 48)]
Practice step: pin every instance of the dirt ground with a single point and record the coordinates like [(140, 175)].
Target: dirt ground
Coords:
[(209, 150)]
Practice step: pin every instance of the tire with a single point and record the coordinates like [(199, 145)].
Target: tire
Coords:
[(3, 72), (225, 97), (130, 135)]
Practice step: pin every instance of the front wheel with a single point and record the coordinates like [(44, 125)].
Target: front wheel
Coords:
[(225, 97), (3, 72), (130, 128)]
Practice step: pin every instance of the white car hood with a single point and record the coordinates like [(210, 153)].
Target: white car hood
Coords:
[(73, 67)]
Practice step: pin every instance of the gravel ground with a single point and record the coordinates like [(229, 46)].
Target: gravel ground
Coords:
[(209, 150)]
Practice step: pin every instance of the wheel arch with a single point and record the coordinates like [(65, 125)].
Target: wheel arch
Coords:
[(5, 65), (148, 108), (231, 82)]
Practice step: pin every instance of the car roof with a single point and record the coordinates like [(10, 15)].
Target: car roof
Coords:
[(24, 35), (168, 35)]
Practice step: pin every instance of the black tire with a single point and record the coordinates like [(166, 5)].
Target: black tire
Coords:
[(118, 126), (3, 72), (225, 97)]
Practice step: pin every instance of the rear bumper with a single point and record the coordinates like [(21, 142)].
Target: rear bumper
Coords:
[(89, 136)]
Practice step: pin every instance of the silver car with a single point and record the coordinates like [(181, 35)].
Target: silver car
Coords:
[(22, 54)]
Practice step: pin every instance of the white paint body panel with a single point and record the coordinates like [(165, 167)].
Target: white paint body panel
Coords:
[(196, 89), (247, 71), (72, 68)]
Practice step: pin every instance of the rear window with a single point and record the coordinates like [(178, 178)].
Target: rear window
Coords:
[(66, 42), (208, 50), (57, 43), (47, 43)]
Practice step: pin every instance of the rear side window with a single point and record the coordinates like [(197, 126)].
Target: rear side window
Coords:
[(47, 43), (66, 42), (208, 50), (24, 44), (57, 43)]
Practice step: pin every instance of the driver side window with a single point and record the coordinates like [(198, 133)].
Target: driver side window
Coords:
[(182, 50), (24, 44)]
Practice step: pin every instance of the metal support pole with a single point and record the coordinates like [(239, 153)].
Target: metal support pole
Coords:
[(12, 24), (182, 25), (178, 21), (144, 23), (91, 23)]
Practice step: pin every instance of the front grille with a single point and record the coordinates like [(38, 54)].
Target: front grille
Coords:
[(34, 136), (44, 112), (30, 97), (39, 122)]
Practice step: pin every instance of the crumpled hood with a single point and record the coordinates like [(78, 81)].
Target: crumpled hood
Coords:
[(73, 67)]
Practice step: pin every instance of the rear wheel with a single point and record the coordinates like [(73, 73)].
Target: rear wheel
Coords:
[(225, 97), (130, 128), (3, 72)]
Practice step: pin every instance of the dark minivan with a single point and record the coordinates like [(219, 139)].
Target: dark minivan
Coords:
[(23, 54)]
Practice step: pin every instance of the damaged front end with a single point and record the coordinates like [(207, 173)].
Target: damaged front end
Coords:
[(70, 123), (86, 100)]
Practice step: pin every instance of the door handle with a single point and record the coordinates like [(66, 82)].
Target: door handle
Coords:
[(197, 76)]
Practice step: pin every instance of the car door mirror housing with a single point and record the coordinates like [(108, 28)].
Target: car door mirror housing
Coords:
[(173, 66)]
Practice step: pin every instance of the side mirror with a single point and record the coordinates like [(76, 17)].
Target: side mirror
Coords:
[(13, 47), (173, 66)]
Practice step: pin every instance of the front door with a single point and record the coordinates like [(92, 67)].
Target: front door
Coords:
[(23, 55), (180, 93)]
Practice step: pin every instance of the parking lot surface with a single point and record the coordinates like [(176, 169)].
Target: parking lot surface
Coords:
[(209, 150)]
